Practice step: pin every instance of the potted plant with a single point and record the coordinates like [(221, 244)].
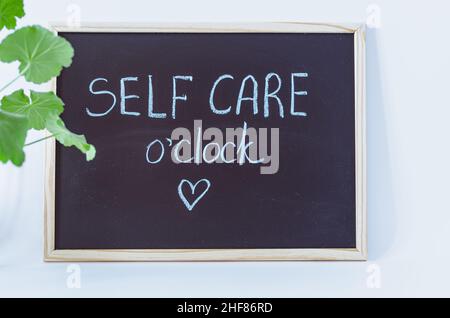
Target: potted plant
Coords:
[(41, 55)]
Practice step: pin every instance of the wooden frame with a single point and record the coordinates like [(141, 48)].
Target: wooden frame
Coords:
[(358, 253)]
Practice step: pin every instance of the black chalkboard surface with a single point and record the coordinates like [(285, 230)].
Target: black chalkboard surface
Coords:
[(155, 104)]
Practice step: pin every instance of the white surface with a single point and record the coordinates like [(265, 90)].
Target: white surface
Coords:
[(408, 156)]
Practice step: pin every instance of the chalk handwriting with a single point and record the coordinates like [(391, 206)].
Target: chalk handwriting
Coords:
[(191, 205), (246, 100), (239, 146)]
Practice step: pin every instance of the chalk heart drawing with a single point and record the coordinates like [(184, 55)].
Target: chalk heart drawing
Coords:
[(189, 205)]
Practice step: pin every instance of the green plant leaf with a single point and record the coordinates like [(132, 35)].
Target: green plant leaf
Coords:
[(37, 109), (13, 131), (9, 11), (57, 127), (41, 54)]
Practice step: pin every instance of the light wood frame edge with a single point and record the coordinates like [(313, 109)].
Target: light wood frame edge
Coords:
[(327, 254)]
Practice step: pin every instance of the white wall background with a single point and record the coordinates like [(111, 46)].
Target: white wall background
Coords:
[(408, 119)]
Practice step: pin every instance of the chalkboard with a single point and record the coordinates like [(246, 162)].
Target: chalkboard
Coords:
[(213, 143)]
